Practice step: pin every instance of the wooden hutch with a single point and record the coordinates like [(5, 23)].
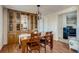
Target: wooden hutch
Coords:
[(20, 22)]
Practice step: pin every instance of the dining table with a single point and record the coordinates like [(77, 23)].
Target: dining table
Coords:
[(24, 39)]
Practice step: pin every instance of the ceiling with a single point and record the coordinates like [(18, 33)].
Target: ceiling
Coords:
[(44, 9)]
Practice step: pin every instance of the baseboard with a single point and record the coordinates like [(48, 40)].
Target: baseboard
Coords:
[(64, 41), (3, 47)]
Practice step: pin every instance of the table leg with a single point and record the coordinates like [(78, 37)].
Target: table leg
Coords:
[(24, 46), (45, 49), (45, 46), (23, 49)]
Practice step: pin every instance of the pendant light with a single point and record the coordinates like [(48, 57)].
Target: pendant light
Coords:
[(39, 17), (38, 12)]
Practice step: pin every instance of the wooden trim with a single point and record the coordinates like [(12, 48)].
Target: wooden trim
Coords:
[(23, 12)]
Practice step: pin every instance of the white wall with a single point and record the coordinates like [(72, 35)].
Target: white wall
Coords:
[(1, 27), (60, 26), (78, 23), (43, 24), (5, 23), (50, 24)]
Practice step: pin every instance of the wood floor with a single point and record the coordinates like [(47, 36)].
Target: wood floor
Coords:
[(58, 47)]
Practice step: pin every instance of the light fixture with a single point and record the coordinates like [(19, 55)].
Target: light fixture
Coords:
[(39, 17), (38, 12)]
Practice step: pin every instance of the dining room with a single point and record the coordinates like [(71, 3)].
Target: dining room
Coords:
[(34, 29)]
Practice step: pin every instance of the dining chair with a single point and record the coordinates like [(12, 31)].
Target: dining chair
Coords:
[(47, 40), (34, 43), (43, 41)]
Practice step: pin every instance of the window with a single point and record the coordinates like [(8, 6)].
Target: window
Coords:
[(24, 22)]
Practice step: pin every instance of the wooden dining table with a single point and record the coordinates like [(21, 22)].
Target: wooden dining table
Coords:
[(24, 43), (23, 40)]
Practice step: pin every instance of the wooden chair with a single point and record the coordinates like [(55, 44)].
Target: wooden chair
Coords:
[(34, 43), (44, 42), (47, 40), (50, 40)]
